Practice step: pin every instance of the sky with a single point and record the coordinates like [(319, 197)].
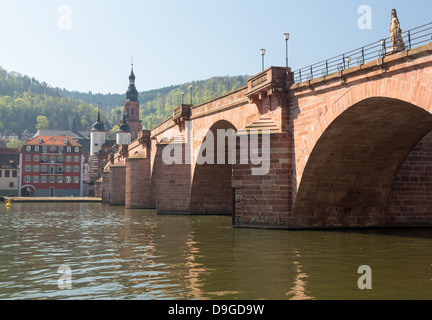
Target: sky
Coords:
[(88, 45)]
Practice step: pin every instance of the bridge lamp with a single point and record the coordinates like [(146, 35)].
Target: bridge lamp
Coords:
[(263, 52), (286, 37), (190, 87), (348, 59), (383, 44)]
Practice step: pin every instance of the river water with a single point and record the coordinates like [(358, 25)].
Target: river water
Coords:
[(116, 253)]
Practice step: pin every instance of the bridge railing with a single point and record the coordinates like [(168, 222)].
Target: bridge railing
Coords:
[(412, 38)]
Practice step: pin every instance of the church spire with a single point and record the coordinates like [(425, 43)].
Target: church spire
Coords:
[(132, 75), (132, 93)]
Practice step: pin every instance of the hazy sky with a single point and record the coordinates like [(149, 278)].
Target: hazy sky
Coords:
[(88, 45)]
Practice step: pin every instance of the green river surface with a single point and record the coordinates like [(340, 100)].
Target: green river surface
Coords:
[(117, 253)]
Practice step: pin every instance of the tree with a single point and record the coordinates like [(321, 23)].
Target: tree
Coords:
[(15, 144), (42, 123)]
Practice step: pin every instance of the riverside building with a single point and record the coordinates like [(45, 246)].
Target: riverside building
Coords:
[(51, 167)]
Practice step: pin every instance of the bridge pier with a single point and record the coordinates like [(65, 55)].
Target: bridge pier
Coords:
[(138, 194), (105, 187), (410, 203), (173, 180), (117, 189), (264, 201)]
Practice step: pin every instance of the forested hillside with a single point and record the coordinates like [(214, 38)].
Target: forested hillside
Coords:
[(158, 104), (26, 103)]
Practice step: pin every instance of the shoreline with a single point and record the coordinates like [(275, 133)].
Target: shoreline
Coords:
[(53, 199)]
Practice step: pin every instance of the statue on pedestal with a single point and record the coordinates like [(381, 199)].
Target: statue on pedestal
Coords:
[(397, 43)]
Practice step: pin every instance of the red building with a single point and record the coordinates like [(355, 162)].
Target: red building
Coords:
[(51, 166)]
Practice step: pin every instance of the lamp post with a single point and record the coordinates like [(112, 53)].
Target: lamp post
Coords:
[(190, 87), (182, 95), (348, 59), (286, 37), (263, 51), (383, 44)]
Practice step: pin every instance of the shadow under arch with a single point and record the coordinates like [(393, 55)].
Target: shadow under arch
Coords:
[(351, 169), (211, 190)]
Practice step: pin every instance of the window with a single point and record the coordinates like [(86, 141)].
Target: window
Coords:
[(14, 173), (44, 169), (68, 158), (76, 168), (27, 179), (43, 179), (59, 179), (52, 170), (36, 168), (7, 173), (11, 184), (75, 179), (44, 158), (68, 149), (76, 159), (60, 159), (68, 168), (52, 179), (35, 179), (61, 149), (27, 168), (36, 157), (76, 149), (28, 148), (36, 148), (60, 169), (28, 157), (44, 149), (68, 180), (52, 149), (0, 173)]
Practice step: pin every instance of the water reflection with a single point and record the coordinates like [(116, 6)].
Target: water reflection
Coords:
[(135, 254), (298, 291)]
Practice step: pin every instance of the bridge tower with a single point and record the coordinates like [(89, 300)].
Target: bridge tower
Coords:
[(123, 135)]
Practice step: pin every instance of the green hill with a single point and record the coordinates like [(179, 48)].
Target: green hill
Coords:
[(26, 103), (24, 100), (159, 103)]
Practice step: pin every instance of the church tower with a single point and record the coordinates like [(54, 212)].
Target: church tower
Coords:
[(123, 135), (131, 107)]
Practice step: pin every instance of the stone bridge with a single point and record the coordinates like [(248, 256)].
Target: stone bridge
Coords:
[(349, 149)]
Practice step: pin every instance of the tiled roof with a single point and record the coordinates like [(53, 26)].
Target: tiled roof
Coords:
[(52, 141)]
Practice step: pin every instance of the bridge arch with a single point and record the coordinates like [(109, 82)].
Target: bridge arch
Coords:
[(352, 166), (413, 87), (211, 189)]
